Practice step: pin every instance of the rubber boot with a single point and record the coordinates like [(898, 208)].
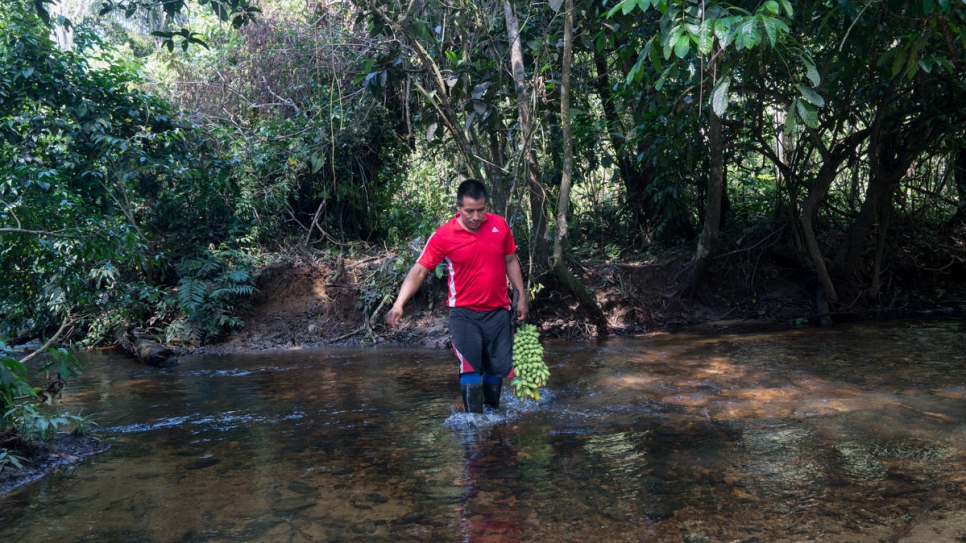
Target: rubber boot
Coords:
[(472, 397), (491, 393)]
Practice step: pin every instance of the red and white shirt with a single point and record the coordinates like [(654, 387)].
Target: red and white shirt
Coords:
[(476, 262)]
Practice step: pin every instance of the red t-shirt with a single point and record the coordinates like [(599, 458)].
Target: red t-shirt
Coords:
[(476, 262)]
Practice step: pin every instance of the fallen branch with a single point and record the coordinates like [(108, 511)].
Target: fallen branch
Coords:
[(366, 326), (347, 336), (51, 341), (147, 350)]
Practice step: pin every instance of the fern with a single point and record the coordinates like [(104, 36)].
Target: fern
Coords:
[(192, 293), (181, 328), (200, 267), (239, 275), (212, 289), (232, 291)]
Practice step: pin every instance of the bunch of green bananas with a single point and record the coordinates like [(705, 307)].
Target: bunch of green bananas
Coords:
[(528, 366)]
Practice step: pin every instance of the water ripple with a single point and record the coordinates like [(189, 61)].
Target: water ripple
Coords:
[(220, 422)]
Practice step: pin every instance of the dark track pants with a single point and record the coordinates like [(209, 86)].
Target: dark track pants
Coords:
[(482, 341)]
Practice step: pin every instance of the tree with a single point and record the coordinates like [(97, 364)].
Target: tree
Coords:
[(467, 64), (82, 153), (710, 39), (891, 76), (655, 147), (558, 264), (237, 12), (280, 99), (535, 189)]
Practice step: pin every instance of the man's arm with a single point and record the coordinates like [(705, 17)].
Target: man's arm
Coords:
[(410, 285), (515, 273)]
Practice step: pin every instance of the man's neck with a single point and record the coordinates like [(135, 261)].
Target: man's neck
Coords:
[(460, 220)]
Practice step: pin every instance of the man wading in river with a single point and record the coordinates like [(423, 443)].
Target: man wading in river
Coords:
[(480, 255)]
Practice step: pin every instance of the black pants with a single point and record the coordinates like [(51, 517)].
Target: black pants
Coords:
[(482, 340)]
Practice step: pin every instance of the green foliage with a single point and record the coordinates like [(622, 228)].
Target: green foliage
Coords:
[(35, 424), (213, 288), (236, 12), (62, 362), (20, 405), (14, 382), (101, 186), (707, 30), (426, 204), (78, 147), (10, 459), (753, 198), (302, 150), (81, 425)]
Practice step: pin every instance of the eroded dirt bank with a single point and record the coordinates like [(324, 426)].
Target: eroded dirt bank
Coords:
[(307, 302)]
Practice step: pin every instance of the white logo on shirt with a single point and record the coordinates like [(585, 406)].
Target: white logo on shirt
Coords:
[(495, 229)]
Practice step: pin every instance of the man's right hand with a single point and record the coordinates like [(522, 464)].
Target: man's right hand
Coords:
[(394, 316), (410, 285)]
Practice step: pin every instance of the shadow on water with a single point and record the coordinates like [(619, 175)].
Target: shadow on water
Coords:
[(855, 433)]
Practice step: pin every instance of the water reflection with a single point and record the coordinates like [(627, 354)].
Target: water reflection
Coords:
[(849, 434)]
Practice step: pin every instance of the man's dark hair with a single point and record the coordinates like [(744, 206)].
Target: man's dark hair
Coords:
[(474, 188)]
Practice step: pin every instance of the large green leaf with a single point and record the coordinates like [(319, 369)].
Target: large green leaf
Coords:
[(811, 72), (811, 95), (682, 45), (719, 97), (807, 113), (774, 28), (749, 33), (705, 38)]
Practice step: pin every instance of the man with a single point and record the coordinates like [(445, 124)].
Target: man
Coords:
[(480, 255)]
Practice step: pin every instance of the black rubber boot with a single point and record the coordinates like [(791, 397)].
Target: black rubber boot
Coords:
[(472, 398), (491, 393)]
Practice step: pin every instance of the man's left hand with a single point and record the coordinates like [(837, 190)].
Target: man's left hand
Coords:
[(522, 308)]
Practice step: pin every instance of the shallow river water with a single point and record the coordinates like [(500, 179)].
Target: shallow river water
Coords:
[(854, 433)]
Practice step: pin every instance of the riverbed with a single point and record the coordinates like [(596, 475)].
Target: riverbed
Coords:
[(853, 433)]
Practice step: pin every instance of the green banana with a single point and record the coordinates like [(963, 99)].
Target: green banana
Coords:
[(530, 369)]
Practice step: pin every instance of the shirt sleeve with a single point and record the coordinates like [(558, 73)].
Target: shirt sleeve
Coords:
[(433, 252)]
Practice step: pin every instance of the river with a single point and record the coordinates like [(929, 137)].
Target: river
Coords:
[(850, 434)]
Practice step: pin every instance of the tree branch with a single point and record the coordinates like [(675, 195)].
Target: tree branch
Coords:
[(63, 327), (43, 233)]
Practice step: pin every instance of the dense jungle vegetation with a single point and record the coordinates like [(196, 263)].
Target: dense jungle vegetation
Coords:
[(156, 153)]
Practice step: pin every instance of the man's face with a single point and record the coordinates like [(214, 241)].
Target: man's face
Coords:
[(472, 212)]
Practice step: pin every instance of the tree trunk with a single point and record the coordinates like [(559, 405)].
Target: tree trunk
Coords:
[(878, 195), (538, 212), (497, 180), (831, 160), (535, 189), (823, 181), (959, 176), (557, 262), (712, 209), (496, 196), (146, 350), (882, 230), (438, 99), (635, 180), (890, 156), (566, 128)]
